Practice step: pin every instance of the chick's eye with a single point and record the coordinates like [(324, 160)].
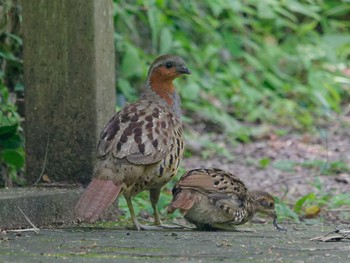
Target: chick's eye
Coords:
[(267, 204), (169, 64)]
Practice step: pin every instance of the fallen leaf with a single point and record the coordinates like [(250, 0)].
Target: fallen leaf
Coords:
[(46, 178), (312, 211), (334, 236), (328, 238)]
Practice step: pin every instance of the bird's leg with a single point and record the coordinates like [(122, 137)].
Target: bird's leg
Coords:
[(154, 197), (136, 223), (132, 213)]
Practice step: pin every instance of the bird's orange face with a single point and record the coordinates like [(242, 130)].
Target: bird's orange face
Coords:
[(163, 71)]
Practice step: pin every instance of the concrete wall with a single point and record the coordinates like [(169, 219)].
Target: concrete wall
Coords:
[(69, 68)]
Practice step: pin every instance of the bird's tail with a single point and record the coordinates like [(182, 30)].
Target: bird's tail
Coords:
[(98, 196), (183, 200)]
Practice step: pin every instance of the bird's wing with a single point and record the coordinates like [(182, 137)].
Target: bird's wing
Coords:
[(184, 200), (141, 133), (214, 182)]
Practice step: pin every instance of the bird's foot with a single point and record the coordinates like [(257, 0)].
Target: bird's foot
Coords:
[(174, 226), (146, 227), (139, 226), (158, 222)]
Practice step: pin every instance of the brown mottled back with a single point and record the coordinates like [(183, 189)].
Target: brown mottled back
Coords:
[(142, 133)]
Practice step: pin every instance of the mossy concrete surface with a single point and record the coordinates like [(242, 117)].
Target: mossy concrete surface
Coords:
[(42, 206), (265, 244)]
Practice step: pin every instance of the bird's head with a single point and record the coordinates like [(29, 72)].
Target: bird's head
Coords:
[(167, 67), (265, 203), (163, 71)]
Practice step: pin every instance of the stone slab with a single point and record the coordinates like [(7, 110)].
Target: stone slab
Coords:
[(94, 244), (43, 206)]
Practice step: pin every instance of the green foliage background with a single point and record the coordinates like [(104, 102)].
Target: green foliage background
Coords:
[(252, 61), (273, 61), (11, 92)]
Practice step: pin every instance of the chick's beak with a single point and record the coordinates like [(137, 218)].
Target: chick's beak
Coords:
[(275, 224), (272, 214), (183, 70)]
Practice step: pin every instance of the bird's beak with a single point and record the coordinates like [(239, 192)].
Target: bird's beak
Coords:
[(275, 224), (183, 70), (272, 214)]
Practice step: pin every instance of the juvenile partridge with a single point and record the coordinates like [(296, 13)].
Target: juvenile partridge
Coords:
[(215, 199), (141, 147)]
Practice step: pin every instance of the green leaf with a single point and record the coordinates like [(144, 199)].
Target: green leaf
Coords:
[(264, 10), (153, 20), (284, 211), (131, 63), (304, 9), (13, 157), (191, 91), (233, 43), (12, 142), (299, 204), (8, 131), (166, 41), (264, 162), (216, 6), (125, 87), (284, 165)]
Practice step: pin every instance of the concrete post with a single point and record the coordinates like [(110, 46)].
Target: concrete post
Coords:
[(69, 85)]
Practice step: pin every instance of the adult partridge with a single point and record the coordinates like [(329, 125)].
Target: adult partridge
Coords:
[(215, 199), (141, 147)]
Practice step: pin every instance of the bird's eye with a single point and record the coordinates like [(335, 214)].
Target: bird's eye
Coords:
[(169, 64), (267, 204)]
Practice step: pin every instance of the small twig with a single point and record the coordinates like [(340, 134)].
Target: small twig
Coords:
[(23, 230), (326, 164), (290, 179), (285, 192), (35, 229), (45, 160), (58, 185)]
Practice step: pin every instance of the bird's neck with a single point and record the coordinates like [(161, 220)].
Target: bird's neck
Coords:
[(164, 88), (250, 205)]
